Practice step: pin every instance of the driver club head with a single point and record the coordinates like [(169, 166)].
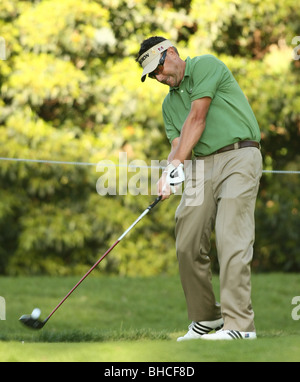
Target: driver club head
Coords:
[(30, 322)]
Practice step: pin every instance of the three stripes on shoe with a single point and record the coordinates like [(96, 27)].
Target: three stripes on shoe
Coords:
[(202, 329)]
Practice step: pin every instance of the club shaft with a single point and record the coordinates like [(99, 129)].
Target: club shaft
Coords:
[(80, 281), (105, 254), (140, 217)]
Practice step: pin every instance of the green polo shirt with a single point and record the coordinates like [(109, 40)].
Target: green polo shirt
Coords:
[(230, 117)]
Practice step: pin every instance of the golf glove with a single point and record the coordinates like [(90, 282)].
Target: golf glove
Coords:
[(175, 176)]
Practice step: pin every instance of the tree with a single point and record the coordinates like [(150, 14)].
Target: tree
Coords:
[(70, 91)]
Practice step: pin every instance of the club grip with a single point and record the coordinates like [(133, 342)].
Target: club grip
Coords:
[(155, 202)]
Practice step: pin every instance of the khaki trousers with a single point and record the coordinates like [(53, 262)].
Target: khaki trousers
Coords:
[(224, 199)]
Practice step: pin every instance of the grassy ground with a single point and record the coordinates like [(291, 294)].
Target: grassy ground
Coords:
[(133, 320)]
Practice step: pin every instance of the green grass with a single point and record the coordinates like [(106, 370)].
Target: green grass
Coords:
[(116, 319)]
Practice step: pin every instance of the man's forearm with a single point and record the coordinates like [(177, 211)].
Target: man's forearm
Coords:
[(190, 135), (191, 131)]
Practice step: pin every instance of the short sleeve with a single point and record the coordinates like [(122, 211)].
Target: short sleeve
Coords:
[(207, 75)]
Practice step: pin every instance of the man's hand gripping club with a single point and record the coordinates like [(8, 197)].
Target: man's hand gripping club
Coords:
[(170, 181)]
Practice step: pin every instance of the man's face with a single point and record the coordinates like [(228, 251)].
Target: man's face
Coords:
[(168, 72)]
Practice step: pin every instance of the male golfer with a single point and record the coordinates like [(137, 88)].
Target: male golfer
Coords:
[(207, 116)]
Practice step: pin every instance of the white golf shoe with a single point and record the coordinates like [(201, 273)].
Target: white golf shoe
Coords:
[(229, 335), (198, 329)]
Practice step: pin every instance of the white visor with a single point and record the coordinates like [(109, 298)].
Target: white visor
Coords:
[(150, 59)]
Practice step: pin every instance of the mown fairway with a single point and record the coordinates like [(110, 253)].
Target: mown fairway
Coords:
[(138, 319)]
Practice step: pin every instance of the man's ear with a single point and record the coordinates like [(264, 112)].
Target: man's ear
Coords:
[(173, 51)]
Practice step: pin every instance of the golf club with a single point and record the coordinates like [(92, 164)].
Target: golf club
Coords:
[(33, 321)]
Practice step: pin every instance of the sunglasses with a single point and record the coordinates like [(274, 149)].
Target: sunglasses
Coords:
[(160, 65)]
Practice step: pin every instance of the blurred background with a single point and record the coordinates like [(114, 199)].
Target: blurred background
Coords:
[(70, 91)]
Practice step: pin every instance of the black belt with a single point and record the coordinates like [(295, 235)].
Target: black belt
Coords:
[(237, 145)]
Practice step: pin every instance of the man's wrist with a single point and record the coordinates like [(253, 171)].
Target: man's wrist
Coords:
[(174, 163)]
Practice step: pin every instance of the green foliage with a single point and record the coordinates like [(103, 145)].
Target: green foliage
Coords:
[(278, 222), (70, 91)]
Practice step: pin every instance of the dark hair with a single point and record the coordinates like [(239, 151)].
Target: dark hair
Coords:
[(148, 43)]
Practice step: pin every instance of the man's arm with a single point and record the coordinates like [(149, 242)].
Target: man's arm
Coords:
[(182, 146), (174, 145), (191, 131), (162, 188)]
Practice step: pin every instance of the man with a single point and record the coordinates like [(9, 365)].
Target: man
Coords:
[(207, 115)]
